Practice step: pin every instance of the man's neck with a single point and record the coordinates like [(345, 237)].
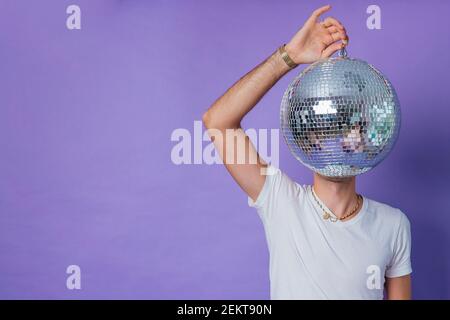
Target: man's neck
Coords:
[(338, 195)]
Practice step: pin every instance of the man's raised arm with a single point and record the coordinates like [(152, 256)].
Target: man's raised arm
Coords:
[(315, 40)]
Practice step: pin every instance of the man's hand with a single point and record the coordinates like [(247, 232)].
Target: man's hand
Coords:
[(316, 40)]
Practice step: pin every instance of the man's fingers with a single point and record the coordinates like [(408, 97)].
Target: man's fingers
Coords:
[(345, 40), (329, 21), (332, 48), (339, 36), (333, 29), (335, 36), (318, 12)]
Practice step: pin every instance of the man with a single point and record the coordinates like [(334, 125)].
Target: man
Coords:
[(364, 249)]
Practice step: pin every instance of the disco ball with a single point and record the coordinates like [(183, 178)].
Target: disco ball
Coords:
[(340, 117)]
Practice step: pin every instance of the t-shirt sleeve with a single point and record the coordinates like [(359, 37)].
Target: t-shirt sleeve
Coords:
[(277, 191), (400, 264)]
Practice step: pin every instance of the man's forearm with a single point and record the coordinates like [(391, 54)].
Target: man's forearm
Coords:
[(231, 107)]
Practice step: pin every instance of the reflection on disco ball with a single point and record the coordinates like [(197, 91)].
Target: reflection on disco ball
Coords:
[(340, 117)]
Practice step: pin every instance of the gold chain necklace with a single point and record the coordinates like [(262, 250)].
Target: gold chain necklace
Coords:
[(332, 217)]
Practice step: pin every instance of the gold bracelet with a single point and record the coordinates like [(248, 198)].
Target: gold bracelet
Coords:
[(284, 55)]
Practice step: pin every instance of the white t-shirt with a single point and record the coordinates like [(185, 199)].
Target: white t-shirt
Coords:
[(313, 258)]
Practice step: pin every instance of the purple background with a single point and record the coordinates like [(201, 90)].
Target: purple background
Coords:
[(85, 123)]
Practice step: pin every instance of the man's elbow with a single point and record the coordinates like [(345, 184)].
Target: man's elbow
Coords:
[(207, 119), (213, 121), (210, 121)]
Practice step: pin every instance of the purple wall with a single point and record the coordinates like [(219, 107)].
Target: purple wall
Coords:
[(86, 118)]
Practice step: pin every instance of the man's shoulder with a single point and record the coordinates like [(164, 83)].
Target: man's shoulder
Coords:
[(283, 180), (386, 212)]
